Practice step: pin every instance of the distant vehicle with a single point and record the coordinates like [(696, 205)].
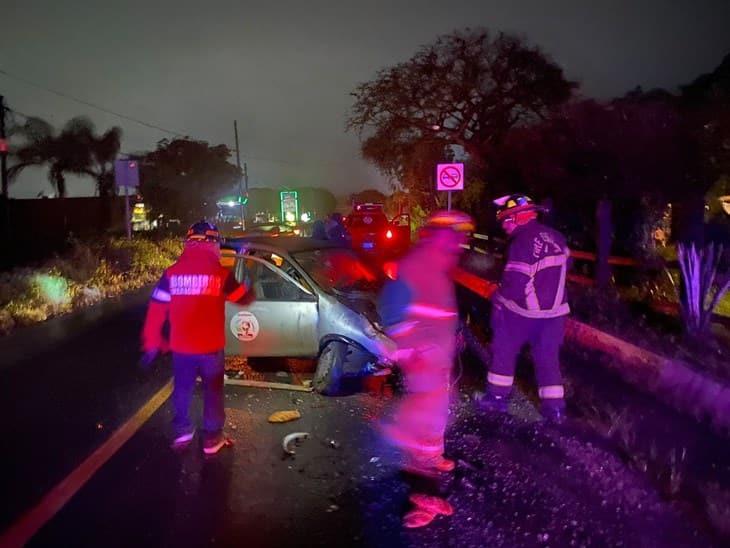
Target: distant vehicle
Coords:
[(269, 230), (229, 217), (310, 299), (374, 235)]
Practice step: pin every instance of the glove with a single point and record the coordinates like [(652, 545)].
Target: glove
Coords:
[(148, 358)]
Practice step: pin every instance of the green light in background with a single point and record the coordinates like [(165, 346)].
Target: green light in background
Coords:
[(54, 289)]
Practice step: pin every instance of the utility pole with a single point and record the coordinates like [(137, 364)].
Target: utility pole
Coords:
[(3, 151), (245, 182), (240, 179), (4, 183)]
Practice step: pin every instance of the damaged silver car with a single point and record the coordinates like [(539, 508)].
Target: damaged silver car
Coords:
[(309, 299)]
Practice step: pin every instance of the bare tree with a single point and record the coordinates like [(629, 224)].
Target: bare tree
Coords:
[(467, 88)]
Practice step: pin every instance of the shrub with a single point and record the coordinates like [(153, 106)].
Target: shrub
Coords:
[(83, 276)]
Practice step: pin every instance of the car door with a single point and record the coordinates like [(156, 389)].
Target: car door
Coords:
[(280, 318)]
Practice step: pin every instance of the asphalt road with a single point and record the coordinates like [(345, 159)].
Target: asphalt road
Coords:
[(518, 482)]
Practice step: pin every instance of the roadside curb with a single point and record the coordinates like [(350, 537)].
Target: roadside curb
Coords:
[(673, 380), (26, 342)]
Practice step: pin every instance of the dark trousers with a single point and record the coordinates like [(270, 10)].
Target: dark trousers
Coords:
[(510, 332), (186, 368)]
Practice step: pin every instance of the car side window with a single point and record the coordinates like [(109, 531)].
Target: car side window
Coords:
[(267, 284), (284, 265)]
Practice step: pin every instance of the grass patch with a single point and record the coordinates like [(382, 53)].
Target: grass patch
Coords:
[(86, 274)]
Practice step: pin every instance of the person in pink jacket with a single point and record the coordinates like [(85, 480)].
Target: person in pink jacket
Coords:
[(419, 312)]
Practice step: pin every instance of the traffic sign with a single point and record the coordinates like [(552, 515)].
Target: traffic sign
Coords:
[(450, 177), (126, 173)]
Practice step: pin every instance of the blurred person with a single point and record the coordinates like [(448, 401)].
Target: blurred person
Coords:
[(319, 231), (418, 310), (336, 231), (191, 296), (529, 307)]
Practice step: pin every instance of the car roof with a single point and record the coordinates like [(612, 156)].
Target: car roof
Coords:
[(288, 244)]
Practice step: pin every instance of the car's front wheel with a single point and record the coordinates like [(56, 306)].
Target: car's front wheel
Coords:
[(330, 378)]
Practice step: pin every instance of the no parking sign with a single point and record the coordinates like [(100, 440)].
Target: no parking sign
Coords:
[(450, 177)]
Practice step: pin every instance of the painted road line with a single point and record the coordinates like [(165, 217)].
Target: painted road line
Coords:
[(31, 522), (265, 384)]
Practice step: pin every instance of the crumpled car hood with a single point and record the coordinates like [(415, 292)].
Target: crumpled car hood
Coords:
[(362, 302)]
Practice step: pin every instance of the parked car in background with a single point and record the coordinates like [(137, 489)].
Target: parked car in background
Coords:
[(374, 235), (310, 299), (270, 230)]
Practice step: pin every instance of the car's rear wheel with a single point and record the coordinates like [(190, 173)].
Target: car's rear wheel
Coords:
[(330, 378)]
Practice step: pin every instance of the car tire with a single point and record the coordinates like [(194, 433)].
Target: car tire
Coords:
[(329, 377)]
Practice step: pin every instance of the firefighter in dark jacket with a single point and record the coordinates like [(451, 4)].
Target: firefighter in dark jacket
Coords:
[(191, 295), (529, 308)]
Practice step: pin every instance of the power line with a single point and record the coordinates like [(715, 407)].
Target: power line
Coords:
[(156, 127), (91, 105)]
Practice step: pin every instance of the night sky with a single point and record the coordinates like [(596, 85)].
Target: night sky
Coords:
[(284, 69)]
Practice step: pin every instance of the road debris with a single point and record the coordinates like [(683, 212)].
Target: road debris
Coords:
[(293, 437), (266, 384), (237, 367), (285, 416)]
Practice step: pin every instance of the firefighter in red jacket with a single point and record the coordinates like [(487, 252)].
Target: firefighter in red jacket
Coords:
[(191, 295), (419, 312), (529, 308)]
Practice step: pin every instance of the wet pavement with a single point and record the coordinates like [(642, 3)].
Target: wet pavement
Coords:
[(518, 482)]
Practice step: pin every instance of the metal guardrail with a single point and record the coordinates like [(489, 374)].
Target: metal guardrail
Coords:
[(574, 254)]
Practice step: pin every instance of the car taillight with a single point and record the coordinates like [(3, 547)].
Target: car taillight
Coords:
[(389, 234)]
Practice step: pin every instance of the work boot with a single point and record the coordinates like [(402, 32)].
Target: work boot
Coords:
[(431, 503), (215, 442), (444, 465), (418, 517), (427, 508), (183, 439), (428, 467), (489, 403), (553, 414)]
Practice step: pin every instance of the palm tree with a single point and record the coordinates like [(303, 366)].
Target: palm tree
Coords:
[(40, 147), (96, 152), (76, 149)]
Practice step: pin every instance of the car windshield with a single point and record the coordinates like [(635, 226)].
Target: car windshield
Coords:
[(339, 270)]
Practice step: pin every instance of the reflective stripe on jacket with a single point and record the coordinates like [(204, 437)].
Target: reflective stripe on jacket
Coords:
[(192, 294), (533, 282), (421, 304)]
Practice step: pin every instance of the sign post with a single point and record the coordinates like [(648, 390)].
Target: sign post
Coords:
[(126, 174), (449, 177)]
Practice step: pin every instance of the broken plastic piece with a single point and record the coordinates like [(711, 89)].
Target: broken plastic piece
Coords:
[(285, 416), (294, 436)]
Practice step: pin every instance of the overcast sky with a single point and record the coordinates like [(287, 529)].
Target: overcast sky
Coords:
[(284, 69)]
